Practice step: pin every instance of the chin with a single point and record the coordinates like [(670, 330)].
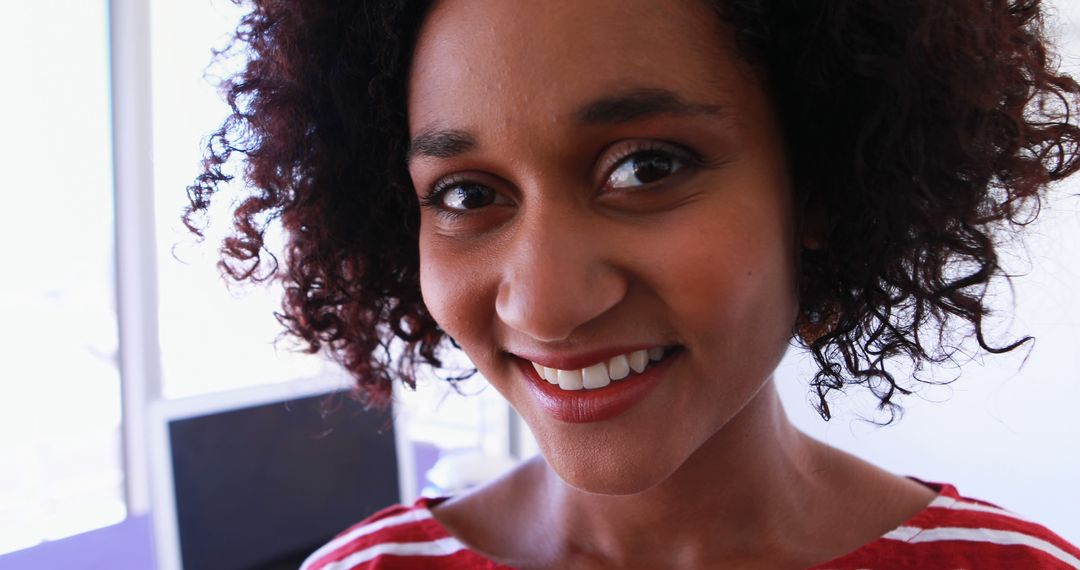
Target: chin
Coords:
[(591, 471)]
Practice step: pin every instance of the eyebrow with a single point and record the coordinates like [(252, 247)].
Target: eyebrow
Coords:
[(625, 107), (440, 143), (639, 104)]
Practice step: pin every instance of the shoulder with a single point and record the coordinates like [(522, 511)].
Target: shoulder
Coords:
[(956, 531), (396, 537)]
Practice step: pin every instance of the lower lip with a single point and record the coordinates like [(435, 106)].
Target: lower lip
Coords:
[(598, 404)]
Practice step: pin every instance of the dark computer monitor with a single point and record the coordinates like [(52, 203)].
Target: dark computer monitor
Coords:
[(262, 486)]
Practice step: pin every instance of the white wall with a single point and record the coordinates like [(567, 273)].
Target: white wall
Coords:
[(1003, 432)]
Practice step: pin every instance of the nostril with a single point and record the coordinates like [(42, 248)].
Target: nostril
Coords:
[(530, 312), (551, 308)]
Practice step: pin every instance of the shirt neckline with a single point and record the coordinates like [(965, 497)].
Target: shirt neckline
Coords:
[(943, 492)]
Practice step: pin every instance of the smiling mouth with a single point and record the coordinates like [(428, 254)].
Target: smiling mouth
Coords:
[(601, 374)]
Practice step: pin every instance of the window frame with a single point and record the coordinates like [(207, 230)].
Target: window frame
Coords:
[(139, 358)]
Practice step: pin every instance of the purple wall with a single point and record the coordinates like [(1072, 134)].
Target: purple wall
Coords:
[(125, 546)]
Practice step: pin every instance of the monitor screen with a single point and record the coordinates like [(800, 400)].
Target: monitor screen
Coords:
[(264, 486)]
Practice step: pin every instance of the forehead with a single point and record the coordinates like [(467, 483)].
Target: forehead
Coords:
[(530, 63)]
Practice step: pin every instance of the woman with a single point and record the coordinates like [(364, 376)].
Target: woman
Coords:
[(623, 211)]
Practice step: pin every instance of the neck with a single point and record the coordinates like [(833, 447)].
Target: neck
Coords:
[(736, 493)]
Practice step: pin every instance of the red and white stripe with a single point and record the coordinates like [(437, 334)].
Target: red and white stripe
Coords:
[(356, 533), (411, 537), (996, 526), (439, 547)]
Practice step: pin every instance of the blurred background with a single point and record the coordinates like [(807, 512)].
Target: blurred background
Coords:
[(119, 329)]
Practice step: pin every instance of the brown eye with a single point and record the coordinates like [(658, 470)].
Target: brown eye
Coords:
[(643, 168), (467, 197)]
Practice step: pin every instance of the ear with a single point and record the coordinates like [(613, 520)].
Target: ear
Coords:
[(815, 226)]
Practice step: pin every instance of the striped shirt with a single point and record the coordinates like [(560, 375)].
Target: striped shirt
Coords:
[(952, 532)]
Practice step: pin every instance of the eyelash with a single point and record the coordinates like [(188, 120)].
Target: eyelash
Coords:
[(689, 158), (433, 198)]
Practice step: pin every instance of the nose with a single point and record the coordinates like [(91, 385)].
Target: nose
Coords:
[(560, 272)]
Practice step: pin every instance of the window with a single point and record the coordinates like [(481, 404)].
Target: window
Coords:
[(212, 338), (60, 434)]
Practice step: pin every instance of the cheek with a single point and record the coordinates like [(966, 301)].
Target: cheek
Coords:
[(733, 282), (452, 282), (441, 287), (749, 284)]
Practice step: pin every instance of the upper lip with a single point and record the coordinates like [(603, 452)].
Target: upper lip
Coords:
[(579, 360)]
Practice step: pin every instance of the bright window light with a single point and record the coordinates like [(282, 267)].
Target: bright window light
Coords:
[(60, 453), (212, 339)]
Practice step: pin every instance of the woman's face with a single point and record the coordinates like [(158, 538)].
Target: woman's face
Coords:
[(601, 178)]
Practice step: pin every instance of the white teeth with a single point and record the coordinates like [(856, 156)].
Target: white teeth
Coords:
[(595, 376), (570, 380), (602, 373), (619, 367), (639, 359)]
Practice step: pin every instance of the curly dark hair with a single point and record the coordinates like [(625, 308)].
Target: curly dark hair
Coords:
[(924, 131)]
